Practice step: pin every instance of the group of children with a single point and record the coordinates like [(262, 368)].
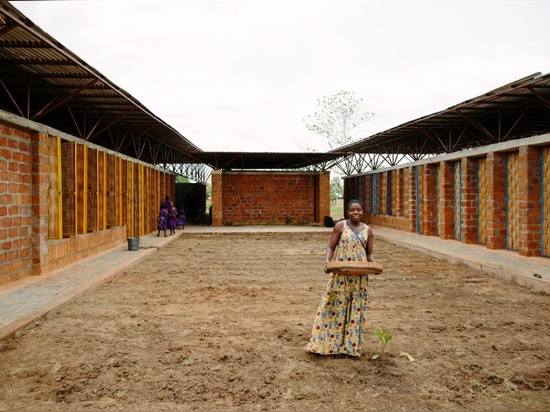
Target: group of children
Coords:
[(170, 218)]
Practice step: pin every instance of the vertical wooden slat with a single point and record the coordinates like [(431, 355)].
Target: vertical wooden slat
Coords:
[(393, 194), (482, 201), (93, 223), (511, 200), (139, 195), (374, 198), (124, 172), (436, 206), (80, 189), (111, 191), (457, 200), (382, 193), (59, 189), (151, 210), (119, 192), (406, 187), (85, 191), (55, 198), (100, 189), (131, 209), (142, 201), (420, 197), (68, 150), (545, 202), (105, 191)]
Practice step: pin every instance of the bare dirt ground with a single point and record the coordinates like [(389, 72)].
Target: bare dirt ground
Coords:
[(219, 322)]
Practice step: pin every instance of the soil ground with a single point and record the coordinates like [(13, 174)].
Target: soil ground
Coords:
[(219, 322)]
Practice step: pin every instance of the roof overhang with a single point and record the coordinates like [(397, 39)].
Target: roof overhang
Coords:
[(517, 110), (43, 81), (268, 160)]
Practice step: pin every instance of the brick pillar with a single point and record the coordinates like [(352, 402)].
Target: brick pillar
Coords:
[(39, 195), (446, 200), (496, 201), (469, 200), (411, 213), (429, 188), (322, 196), (529, 213), (217, 198)]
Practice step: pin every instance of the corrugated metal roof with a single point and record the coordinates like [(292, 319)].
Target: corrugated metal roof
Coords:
[(267, 160), (517, 110), (43, 81)]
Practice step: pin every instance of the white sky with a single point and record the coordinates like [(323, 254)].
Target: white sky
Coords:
[(241, 75)]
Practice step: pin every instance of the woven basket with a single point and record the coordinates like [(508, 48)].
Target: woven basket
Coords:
[(355, 268)]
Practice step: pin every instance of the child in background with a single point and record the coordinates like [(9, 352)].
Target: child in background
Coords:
[(172, 218), (162, 221), (181, 218)]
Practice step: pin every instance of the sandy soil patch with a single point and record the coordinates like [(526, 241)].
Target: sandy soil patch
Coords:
[(219, 322)]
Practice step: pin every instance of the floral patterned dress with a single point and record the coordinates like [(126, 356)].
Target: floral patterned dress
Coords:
[(340, 317)]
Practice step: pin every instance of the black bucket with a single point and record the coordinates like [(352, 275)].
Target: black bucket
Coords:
[(133, 243)]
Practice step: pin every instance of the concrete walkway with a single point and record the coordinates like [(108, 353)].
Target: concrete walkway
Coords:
[(22, 302)]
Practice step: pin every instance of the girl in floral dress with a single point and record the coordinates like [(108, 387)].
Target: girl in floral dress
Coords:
[(339, 321)]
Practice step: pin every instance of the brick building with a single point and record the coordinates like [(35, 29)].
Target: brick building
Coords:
[(84, 165), (497, 196)]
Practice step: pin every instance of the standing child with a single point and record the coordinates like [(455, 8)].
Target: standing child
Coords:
[(172, 218), (161, 221), (181, 218)]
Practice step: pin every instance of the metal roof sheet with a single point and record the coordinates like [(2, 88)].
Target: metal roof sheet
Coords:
[(43, 81), (516, 110), (268, 160)]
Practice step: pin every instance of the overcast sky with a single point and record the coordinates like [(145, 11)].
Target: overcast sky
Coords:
[(242, 75)]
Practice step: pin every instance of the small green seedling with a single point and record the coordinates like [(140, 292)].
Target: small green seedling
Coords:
[(385, 337)]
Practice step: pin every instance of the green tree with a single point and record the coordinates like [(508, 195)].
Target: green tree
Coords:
[(336, 117), (182, 179), (336, 190)]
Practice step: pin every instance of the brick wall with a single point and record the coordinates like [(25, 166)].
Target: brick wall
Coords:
[(16, 184), (429, 198), (508, 203), (252, 198), (529, 208), (122, 199)]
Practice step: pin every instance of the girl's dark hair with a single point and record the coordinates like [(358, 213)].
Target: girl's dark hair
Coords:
[(352, 201)]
